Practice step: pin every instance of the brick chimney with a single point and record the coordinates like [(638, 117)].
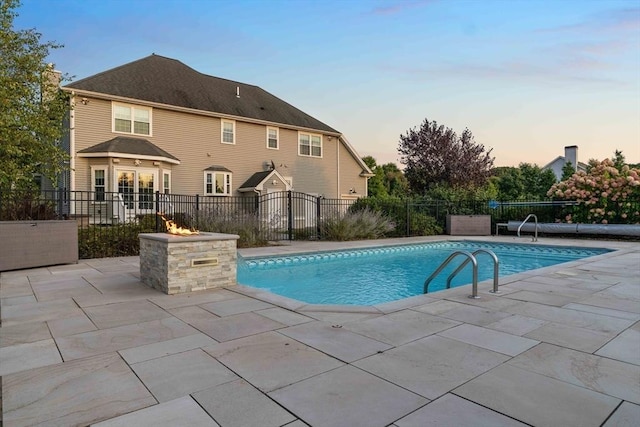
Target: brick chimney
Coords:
[(571, 155)]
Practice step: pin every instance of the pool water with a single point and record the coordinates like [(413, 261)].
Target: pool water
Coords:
[(377, 275)]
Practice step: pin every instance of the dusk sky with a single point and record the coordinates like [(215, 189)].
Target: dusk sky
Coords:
[(526, 77)]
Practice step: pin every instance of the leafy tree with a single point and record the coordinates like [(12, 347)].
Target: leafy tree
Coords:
[(509, 183), (567, 171), (436, 155), (537, 181), (389, 181), (394, 180), (32, 108)]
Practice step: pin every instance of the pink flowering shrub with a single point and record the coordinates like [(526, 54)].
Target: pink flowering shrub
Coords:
[(606, 195)]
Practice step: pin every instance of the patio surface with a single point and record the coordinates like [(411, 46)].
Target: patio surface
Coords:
[(89, 344)]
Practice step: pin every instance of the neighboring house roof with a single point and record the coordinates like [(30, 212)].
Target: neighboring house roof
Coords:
[(168, 81), (560, 160), (123, 146)]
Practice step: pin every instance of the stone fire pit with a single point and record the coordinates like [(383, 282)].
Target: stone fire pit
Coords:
[(178, 264)]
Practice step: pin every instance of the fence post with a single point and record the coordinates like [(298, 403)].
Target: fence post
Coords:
[(157, 211), (197, 211), (289, 215), (59, 194), (318, 211), (408, 227)]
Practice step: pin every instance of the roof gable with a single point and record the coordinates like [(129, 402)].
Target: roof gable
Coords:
[(167, 81)]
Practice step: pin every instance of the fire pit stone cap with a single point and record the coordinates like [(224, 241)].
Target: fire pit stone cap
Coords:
[(202, 236)]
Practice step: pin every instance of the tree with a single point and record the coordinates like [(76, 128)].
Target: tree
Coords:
[(32, 108), (389, 181), (537, 181), (567, 171), (436, 155)]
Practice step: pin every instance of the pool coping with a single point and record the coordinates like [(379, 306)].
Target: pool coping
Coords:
[(305, 247)]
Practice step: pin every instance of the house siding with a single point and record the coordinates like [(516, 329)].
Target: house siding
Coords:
[(196, 141)]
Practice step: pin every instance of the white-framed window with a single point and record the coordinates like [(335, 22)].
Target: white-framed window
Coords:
[(228, 131), (166, 182), (217, 183), (272, 138), (132, 119), (99, 182), (309, 144)]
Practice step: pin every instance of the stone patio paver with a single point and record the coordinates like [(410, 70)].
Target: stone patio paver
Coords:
[(165, 348), (21, 357), (451, 410), (237, 326), (538, 400), (183, 411), (286, 317), (347, 396), (627, 415), (624, 347), (516, 324), (581, 339), (235, 306), (501, 342), (22, 333), (71, 326), (124, 313), (270, 360), (599, 374), (401, 327), (39, 312), (79, 392), (604, 311), (123, 337), (431, 366), (239, 404), (335, 341), (180, 374)]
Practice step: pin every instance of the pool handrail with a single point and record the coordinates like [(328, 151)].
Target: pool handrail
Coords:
[(535, 238), (469, 255), (496, 266)]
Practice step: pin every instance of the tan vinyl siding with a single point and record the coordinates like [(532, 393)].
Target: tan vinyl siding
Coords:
[(350, 175), (196, 141)]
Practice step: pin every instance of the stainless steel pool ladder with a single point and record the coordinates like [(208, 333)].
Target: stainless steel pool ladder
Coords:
[(471, 257), (535, 236)]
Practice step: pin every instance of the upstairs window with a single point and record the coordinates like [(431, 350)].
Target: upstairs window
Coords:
[(217, 183), (228, 132), (131, 119), (272, 138), (309, 145)]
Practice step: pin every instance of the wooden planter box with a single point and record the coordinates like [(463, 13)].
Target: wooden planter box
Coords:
[(469, 225), (28, 244)]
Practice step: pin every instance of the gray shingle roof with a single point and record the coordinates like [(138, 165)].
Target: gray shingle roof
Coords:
[(127, 145), (168, 81), (255, 179)]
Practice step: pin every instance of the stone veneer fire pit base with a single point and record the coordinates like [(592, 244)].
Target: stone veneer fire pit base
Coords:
[(178, 264)]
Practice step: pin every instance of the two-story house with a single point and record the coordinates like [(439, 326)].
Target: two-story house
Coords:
[(156, 124)]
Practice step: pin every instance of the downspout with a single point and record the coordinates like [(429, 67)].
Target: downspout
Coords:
[(72, 148), (338, 167)]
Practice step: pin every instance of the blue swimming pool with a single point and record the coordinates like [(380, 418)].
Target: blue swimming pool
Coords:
[(382, 274)]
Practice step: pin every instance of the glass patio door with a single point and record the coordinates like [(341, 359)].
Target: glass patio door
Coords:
[(137, 188)]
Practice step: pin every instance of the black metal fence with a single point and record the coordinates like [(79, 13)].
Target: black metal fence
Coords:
[(110, 222)]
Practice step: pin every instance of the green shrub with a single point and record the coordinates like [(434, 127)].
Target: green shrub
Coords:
[(424, 225), (362, 224), (109, 241), (246, 225)]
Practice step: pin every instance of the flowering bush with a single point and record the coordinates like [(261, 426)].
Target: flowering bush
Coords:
[(605, 195)]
